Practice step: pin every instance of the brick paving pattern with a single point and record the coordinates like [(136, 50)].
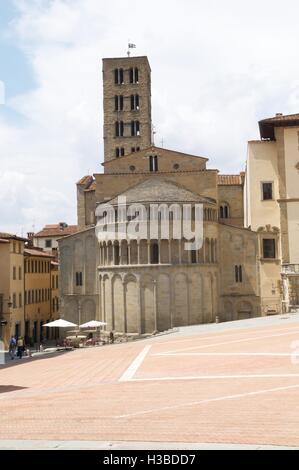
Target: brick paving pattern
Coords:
[(234, 386)]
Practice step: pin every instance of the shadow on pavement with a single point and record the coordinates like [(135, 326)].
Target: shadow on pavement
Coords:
[(25, 360), (10, 388)]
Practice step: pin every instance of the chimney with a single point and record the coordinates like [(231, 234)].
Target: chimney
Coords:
[(278, 114)]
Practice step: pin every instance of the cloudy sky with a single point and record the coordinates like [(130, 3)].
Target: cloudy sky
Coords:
[(217, 68)]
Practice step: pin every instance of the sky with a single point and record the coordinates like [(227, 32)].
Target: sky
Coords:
[(217, 69)]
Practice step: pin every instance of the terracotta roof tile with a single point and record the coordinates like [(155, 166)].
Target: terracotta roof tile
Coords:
[(282, 117), (34, 252), (10, 236), (56, 230), (92, 187), (280, 120), (229, 179), (86, 180)]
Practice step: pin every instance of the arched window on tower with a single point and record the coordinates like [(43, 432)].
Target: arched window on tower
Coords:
[(134, 75), (224, 211)]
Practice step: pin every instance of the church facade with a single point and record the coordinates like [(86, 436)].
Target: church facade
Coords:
[(145, 283)]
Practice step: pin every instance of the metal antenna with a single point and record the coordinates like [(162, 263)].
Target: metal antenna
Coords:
[(154, 132)]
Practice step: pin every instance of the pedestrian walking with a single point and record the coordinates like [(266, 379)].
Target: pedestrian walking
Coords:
[(20, 345), (111, 336), (12, 347)]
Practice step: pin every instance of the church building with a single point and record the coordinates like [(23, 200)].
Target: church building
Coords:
[(142, 285)]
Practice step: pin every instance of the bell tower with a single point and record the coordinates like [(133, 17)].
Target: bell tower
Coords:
[(127, 106)]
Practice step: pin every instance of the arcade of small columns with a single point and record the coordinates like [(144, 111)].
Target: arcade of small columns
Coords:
[(160, 251), (146, 251)]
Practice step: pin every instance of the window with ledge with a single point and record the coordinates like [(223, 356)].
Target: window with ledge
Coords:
[(269, 249), (238, 274), (153, 163), (119, 76), (135, 128), (134, 75), (119, 129), (134, 102), (267, 191), (118, 103)]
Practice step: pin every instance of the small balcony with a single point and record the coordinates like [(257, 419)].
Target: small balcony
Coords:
[(290, 269)]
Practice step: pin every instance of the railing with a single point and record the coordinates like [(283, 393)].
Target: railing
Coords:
[(290, 269)]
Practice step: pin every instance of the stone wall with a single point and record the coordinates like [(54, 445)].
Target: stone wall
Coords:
[(79, 253), (147, 299)]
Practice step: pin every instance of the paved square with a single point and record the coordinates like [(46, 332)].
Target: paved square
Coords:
[(228, 384)]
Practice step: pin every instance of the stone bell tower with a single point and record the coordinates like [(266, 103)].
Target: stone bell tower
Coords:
[(127, 106)]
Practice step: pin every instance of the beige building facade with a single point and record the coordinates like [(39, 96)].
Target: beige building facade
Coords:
[(272, 208)]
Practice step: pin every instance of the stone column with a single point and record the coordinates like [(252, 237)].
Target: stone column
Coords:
[(159, 248), (129, 252), (140, 305), (112, 305), (120, 252), (125, 306), (155, 305), (113, 254)]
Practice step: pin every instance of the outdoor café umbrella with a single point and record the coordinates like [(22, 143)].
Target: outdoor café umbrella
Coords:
[(93, 324), (59, 324)]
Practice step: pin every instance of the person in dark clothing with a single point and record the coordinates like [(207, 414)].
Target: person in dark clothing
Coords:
[(111, 336), (20, 345)]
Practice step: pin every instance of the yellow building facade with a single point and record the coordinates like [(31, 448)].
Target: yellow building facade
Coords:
[(11, 286), (29, 294), (37, 294)]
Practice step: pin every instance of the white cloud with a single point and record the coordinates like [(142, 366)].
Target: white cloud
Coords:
[(217, 68)]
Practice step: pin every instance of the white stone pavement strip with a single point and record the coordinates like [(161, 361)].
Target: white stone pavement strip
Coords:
[(129, 445), (222, 354), (207, 401), (242, 340), (134, 366)]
